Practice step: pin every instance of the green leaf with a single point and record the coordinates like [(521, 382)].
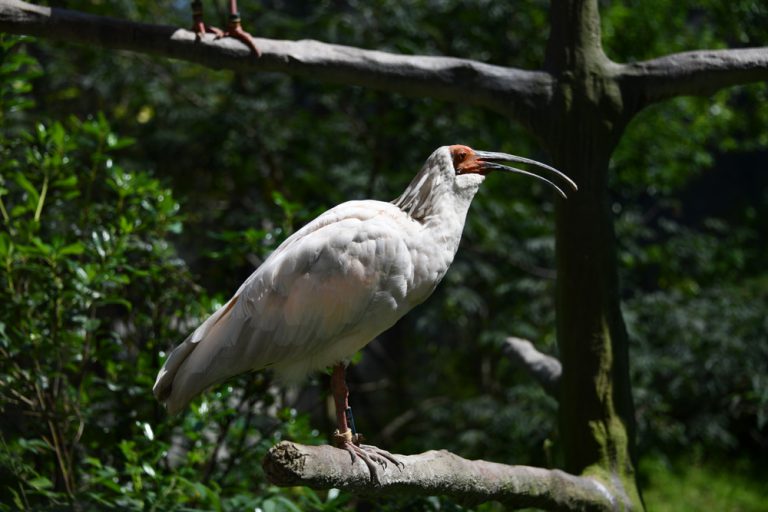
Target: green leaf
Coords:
[(93, 462), (5, 243), (148, 470), (4, 341), (75, 248), (66, 182), (148, 433), (16, 499), (288, 207), (42, 246), (287, 504), (114, 142), (127, 447), (40, 483), (34, 445), (24, 183)]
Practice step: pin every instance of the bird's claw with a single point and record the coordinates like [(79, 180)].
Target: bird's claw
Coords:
[(370, 455), (235, 30), (200, 28), (381, 456)]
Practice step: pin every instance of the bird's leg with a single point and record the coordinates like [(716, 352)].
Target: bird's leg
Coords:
[(346, 437), (343, 410), (234, 29), (198, 26)]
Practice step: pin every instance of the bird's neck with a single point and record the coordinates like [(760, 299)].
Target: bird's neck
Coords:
[(445, 222), (431, 196), (439, 206), (417, 199)]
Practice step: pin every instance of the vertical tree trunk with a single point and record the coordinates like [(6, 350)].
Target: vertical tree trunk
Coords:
[(585, 121), (596, 415)]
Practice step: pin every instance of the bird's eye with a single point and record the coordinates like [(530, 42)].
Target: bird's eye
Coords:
[(462, 158), (458, 158)]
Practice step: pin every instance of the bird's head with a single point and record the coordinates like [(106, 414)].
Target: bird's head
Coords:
[(453, 174), (467, 164)]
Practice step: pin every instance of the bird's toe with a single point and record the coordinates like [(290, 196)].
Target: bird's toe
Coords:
[(374, 457), (383, 457), (235, 31)]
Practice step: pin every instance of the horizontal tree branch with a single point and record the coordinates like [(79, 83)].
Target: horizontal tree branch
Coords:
[(545, 369), (510, 91), (437, 473), (697, 73)]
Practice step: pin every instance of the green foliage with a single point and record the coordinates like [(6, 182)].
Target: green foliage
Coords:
[(16, 71), (693, 244), (93, 292), (712, 348), (669, 144), (694, 482), (637, 30)]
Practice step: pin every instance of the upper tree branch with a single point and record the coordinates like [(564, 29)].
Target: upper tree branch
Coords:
[(438, 473), (509, 91), (691, 73)]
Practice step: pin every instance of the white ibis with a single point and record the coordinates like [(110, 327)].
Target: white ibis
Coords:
[(234, 27), (335, 284)]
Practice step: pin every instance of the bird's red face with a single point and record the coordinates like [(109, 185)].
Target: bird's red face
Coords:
[(468, 161), (465, 160)]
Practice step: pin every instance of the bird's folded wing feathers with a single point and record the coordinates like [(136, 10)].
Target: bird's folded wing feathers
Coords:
[(311, 292)]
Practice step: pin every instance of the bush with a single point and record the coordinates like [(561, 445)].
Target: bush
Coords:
[(93, 292)]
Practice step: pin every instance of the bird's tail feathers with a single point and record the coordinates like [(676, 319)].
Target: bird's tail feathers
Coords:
[(163, 388)]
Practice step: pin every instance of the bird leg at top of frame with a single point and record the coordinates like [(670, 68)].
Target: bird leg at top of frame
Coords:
[(235, 29), (198, 25)]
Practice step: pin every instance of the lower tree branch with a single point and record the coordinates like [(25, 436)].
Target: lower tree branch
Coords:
[(545, 369), (516, 92), (701, 73), (438, 473)]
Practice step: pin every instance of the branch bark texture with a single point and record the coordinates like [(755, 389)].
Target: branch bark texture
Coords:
[(438, 472), (698, 73)]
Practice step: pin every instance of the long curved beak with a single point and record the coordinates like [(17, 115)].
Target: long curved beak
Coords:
[(488, 160)]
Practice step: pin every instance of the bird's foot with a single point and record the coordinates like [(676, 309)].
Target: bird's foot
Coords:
[(236, 31), (198, 27), (369, 454)]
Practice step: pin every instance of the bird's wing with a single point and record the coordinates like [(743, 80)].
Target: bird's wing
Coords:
[(343, 277)]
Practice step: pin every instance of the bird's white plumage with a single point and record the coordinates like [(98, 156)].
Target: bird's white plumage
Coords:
[(331, 287)]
